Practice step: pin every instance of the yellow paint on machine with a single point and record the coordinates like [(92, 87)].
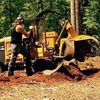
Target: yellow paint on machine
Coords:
[(5, 50)]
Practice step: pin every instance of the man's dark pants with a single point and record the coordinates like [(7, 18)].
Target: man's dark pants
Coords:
[(16, 49)]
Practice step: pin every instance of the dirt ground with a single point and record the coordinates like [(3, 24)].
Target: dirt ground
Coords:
[(55, 87)]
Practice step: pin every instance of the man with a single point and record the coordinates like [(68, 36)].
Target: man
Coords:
[(17, 47)]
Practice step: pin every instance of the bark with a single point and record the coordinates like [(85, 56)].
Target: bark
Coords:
[(77, 16), (72, 6)]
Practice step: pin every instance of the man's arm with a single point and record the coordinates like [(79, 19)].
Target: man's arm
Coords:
[(20, 28)]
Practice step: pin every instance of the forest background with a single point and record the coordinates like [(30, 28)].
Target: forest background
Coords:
[(29, 9)]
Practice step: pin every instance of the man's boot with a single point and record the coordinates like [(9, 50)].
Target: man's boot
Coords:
[(10, 71), (29, 71)]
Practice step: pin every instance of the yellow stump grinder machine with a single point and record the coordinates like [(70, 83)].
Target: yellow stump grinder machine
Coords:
[(51, 52)]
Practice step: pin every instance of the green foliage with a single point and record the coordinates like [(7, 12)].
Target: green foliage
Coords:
[(91, 22), (92, 17), (10, 9)]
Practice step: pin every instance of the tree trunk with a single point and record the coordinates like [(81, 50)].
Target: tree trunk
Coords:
[(77, 16), (10, 15), (73, 19)]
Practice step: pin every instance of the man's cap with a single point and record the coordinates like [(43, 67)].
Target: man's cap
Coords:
[(20, 19)]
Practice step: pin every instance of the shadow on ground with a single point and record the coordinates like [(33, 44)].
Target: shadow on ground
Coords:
[(89, 72)]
